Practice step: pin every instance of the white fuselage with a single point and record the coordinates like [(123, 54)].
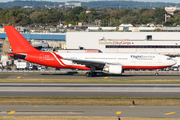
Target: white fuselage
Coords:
[(127, 60)]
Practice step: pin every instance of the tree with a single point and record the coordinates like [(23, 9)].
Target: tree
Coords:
[(143, 19), (159, 15), (169, 22), (93, 15), (38, 17), (99, 29), (105, 21), (177, 20), (115, 22), (77, 10), (71, 18), (157, 30), (54, 18), (11, 17), (143, 10), (3, 16), (129, 19), (82, 17), (176, 11), (23, 19)]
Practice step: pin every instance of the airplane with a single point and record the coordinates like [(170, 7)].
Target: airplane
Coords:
[(114, 63)]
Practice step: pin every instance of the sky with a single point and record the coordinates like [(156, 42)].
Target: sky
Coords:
[(173, 1)]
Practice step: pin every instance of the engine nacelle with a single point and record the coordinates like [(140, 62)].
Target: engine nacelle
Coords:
[(115, 69)]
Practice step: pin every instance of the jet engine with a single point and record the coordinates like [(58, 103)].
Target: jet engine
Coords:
[(115, 69)]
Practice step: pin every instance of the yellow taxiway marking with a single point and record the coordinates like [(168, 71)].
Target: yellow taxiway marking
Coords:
[(170, 113), (131, 106), (11, 112), (36, 106), (19, 77), (105, 77), (118, 112)]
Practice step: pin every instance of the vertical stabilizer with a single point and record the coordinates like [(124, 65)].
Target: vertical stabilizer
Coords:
[(17, 41)]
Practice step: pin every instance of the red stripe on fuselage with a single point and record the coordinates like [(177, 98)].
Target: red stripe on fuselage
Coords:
[(58, 56)]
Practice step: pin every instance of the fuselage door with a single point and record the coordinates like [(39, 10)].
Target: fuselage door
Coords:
[(41, 57)]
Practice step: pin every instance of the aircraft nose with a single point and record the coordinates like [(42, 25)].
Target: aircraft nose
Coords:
[(173, 62)]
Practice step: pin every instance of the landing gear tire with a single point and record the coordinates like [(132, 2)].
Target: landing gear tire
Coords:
[(156, 74), (91, 74), (88, 74)]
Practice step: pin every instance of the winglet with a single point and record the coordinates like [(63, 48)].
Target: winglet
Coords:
[(17, 41)]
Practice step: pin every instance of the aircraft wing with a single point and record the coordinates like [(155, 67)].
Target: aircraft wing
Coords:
[(88, 62)]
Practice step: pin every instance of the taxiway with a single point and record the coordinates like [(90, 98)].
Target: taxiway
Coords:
[(123, 111), (82, 76)]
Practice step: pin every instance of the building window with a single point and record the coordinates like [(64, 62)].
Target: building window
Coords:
[(149, 37), (142, 46)]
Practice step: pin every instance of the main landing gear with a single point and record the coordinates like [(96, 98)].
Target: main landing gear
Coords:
[(91, 74), (156, 74)]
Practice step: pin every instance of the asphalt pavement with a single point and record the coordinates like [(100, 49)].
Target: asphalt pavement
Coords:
[(123, 111), (82, 76), (89, 89)]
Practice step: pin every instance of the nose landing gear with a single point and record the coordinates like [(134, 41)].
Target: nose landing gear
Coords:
[(156, 74)]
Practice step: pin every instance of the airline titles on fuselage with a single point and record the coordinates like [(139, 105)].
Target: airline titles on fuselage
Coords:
[(142, 57)]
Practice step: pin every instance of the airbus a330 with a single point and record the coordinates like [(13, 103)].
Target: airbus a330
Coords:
[(113, 63)]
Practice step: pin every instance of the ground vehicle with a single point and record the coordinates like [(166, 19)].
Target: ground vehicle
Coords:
[(110, 62), (6, 64), (1, 66), (175, 68), (22, 66), (42, 68)]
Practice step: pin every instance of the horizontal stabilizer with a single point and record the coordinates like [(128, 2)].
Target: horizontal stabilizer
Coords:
[(18, 55)]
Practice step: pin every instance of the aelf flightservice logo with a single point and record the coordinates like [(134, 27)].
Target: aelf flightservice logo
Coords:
[(142, 57)]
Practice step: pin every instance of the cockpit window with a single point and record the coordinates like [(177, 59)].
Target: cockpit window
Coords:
[(169, 59)]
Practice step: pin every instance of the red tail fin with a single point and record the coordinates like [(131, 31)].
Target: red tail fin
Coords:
[(17, 41)]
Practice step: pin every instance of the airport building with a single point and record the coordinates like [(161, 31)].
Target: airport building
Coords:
[(143, 42), (171, 9), (167, 43)]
